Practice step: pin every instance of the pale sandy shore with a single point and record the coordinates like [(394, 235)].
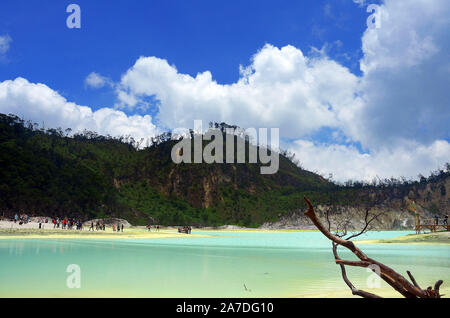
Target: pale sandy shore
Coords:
[(11, 230), (429, 238)]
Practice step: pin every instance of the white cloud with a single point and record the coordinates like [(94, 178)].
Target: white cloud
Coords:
[(404, 113), (406, 80), (96, 80), (5, 41), (39, 103), (281, 88), (346, 162)]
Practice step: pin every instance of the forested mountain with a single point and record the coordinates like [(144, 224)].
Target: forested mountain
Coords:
[(91, 176)]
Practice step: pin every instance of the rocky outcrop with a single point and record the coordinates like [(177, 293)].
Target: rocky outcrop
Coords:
[(108, 222), (391, 218)]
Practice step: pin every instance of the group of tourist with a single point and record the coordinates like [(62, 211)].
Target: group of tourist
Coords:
[(149, 228), (22, 218), (185, 229), (67, 223), (98, 226), (70, 223), (118, 228), (102, 227)]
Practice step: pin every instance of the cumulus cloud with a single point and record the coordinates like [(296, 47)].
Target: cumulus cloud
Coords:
[(406, 75), (348, 163), (95, 80), (280, 88), (403, 115), (38, 102)]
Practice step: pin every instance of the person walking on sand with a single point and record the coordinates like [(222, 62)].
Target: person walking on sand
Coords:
[(122, 227), (92, 226), (114, 227), (16, 217), (118, 227)]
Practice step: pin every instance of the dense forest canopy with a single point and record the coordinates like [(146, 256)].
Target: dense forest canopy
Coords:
[(53, 172)]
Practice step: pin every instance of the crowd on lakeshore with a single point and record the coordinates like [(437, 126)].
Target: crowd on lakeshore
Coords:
[(149, 228), (66, 223), (21, 219)]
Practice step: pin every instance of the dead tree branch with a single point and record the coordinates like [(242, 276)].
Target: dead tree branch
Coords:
[(395, 280)]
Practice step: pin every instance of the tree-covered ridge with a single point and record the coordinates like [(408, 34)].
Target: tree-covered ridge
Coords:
[(50, 172)]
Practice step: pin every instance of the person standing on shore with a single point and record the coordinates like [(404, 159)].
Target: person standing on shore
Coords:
[(122, 227), (114, 227)]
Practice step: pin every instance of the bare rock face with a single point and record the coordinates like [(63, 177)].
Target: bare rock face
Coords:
[(392, 219), (108, 222)]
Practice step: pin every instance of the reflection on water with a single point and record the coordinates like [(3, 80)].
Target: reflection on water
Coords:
[(229, 264)]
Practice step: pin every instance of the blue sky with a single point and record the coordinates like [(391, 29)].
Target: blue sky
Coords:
[(349, 99), (195, 35)]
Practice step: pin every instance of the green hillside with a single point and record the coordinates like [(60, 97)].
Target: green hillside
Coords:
[(92, 176)]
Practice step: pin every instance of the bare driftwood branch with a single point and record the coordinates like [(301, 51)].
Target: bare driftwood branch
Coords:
[(355, 291), (411, 277), (394, 279)]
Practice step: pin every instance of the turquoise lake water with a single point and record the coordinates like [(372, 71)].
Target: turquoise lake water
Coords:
[(227, 264)]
